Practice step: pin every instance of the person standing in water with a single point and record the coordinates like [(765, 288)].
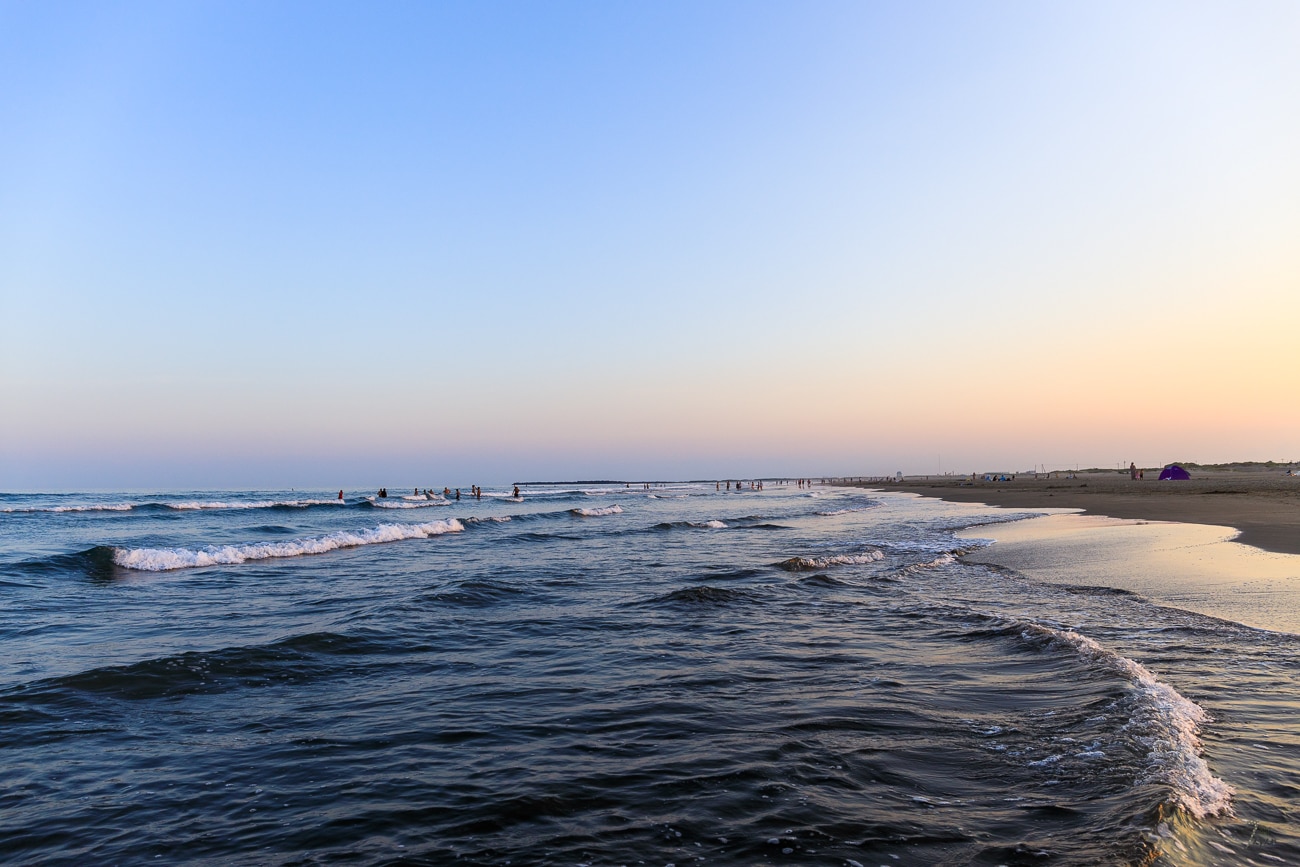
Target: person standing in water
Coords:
[(516, 491)]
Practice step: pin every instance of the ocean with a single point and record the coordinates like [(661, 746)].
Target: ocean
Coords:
[(595, 674)]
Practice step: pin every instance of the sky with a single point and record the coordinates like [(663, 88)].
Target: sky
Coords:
[(264, 245)]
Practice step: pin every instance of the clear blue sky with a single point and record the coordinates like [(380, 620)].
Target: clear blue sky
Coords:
[(265, 244)]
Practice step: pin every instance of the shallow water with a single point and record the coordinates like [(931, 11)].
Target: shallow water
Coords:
[(691, 677), (1192, 566)]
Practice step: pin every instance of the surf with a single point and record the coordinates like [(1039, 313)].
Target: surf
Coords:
[(167, 559)]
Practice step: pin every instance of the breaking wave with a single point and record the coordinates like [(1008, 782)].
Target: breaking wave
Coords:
[(1165, 723), (947, 558), (258, 504), (164, 559), (805, 564), (695, 525), (596, 513), (110, 507), (408, 503)]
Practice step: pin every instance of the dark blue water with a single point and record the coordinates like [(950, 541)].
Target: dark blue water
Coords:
[(610, 676)]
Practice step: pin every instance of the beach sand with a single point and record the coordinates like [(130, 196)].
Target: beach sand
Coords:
[(1195, 567), (1223, 544), (1264, 507)]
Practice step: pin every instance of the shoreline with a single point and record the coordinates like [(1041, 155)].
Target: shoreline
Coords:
[(1264, 508), (1192, 567)]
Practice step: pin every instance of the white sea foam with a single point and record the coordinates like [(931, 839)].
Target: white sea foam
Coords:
[(111, 507), (1167, 724), (945, 559), (596, 513), (257, 504), (846, 511), (162, 559), (799, 564), (713, 525), (421, 503)]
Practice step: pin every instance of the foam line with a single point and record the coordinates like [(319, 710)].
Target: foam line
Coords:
[(1168, 724), (596, 513), (259, 504), (113, 507), (803, 564), (163, 559), (422, 503)]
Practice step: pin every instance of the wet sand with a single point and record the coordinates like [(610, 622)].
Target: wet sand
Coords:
[(1263, 507), (1223, 544), (1195, 567)]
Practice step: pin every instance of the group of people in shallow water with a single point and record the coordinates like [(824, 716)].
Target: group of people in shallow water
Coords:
[(475, 491)]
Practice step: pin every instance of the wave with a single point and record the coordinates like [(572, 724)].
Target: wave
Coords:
[(408, 503), (695, 525), (821, 580), (703, 595), (107, 507), (94, 562), (1166, 723), (806, 564), (209, 672), (164, 559), (257, 504), (596, 513), (473, 593), (947, 558)]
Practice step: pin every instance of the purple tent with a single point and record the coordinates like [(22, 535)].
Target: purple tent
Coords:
[(1174, 472)]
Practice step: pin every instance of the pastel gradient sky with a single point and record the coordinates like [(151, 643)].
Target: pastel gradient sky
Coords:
[(248, 244)]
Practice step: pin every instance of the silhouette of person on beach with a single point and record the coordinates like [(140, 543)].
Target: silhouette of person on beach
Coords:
[(516, 491), (340, 495), (458, 495)]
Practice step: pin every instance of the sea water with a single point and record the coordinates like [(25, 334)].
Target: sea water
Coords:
[(601, 674)]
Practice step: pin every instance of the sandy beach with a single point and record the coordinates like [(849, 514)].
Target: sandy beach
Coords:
[(1223, 543), (1263, 507)]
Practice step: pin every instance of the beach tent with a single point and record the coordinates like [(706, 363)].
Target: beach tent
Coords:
[(1173, 471)]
